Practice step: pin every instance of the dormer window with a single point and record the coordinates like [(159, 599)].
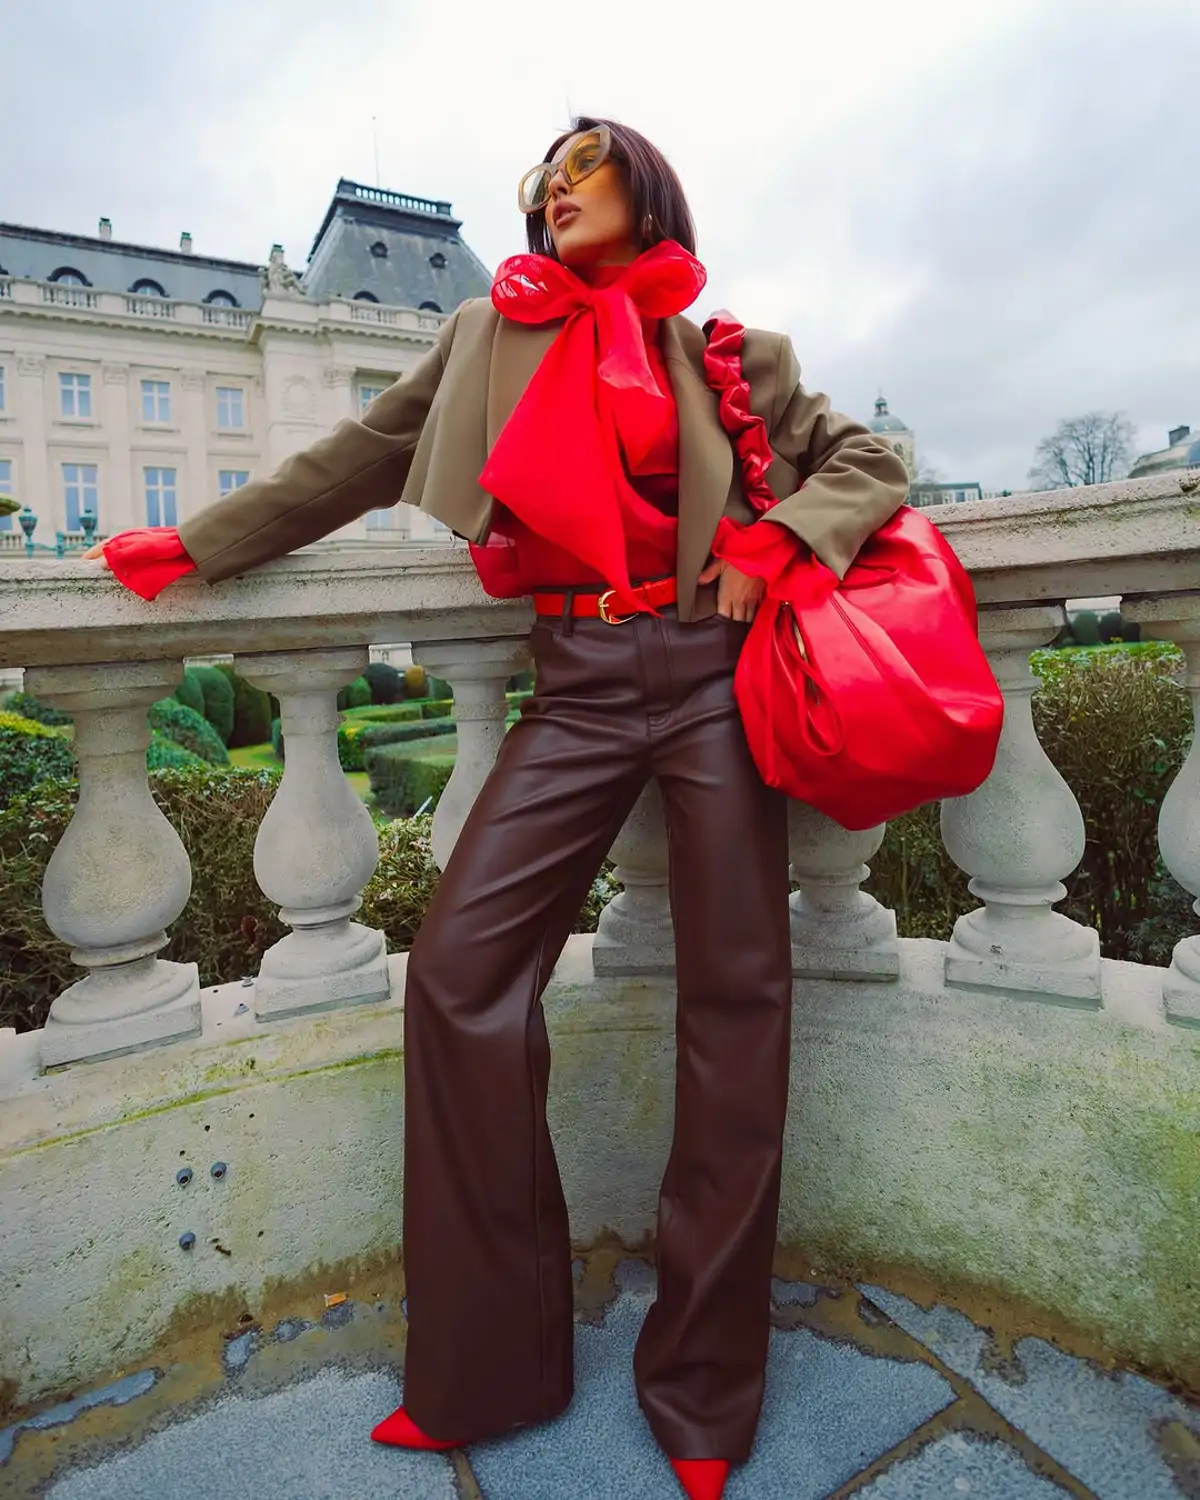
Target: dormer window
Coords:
[(365, 297), (379, 250), (438, 261), (147, 288), (429, 307), (69, 276), (221, 299)]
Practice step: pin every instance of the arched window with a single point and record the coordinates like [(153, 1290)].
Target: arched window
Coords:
[(429, 307), (69, 276), (365, 297), (438, 261), (379, 250), (221, 299), (144, 287)]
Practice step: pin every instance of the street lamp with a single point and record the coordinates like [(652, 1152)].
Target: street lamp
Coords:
[(28, 522)]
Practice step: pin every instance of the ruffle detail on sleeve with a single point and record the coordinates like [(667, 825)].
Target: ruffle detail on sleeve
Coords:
[(748, 433), (147, 560)]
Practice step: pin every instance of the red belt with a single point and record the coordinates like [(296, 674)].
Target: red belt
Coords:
[(601, 605)]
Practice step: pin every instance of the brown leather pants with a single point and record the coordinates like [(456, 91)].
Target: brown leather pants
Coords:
[(486, 1247)]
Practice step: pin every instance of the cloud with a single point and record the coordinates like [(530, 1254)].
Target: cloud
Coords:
[(990, 209)]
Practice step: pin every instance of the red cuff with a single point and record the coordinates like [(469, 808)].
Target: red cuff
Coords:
[(147, 560), (763, 549)]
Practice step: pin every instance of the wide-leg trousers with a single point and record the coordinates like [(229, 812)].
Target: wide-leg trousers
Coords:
[(486, 1246)]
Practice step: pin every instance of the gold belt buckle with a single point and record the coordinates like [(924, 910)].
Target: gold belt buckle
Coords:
[(602, 610)]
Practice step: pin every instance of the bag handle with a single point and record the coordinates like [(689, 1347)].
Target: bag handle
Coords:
[(824, 740)]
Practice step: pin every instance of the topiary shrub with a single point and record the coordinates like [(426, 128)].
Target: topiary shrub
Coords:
[(385, 682), (520, 682), (251, 710), (190, 693), (188, 729), (28, 707), (277, 738), (1111, 627), (356, 694), (1085, 627), (437, 687), (403, 779), (31, 753), (218, 699), (163, 753), (416, 682)]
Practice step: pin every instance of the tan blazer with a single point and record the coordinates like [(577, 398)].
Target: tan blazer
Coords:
[(425, 441)]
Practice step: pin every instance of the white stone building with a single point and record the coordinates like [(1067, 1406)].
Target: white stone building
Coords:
[(140, 384)]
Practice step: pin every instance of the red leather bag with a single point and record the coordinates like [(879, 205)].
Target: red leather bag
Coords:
[(868, 696)]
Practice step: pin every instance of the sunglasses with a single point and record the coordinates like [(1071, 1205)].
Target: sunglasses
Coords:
[(578, 159)]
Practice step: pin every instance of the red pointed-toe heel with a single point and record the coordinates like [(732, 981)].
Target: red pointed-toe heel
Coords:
[(400, 1431), (701, 1478)]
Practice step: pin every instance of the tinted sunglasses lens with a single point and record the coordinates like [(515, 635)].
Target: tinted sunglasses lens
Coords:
[(585, 156), (534, 191)]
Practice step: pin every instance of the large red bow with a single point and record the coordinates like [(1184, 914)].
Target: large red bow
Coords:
[(592, 405)]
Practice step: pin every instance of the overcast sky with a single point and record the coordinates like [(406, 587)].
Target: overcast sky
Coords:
[(989, 210)]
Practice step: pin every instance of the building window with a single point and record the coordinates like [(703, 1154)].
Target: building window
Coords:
[(147, 288), (367, 394), (6, 522), (156, 401), (365, 297), (438, 261), (69, 276), (160, 497), (221, 299), (429, 307), (75, 395), (229, 480), (379, 250), (231, 410), (1, 387), (80, 492)]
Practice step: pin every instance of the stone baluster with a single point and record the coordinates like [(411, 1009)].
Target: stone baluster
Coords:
[(1018, 836), (317, 846), (838, 930), (635, 934), (119, 876), (476, 671), (1178, 619)]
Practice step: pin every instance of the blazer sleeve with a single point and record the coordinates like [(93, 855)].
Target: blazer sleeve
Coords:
[(850, 481), (360, 466)]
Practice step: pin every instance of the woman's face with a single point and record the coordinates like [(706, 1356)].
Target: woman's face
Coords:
[(591, 223)]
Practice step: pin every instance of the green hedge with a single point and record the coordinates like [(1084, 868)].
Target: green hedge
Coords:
[(391, 713), (401, 780), (356, 694), (26, 706), (189, 729), (437, 708), (164, 753), (30, 753), (398, 734), (350, 740)]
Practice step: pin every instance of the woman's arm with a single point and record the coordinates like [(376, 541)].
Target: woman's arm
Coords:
[(360, 466), (851, 482)]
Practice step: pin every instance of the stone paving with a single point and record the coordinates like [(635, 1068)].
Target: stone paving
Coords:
[(868, 1396)]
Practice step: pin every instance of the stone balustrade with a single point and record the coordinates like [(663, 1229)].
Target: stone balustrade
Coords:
[(302, 627)]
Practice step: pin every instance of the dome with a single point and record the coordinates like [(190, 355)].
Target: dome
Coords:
[(883, 421)]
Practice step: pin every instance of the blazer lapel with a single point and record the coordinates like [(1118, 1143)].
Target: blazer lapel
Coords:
[(705, 455), (517, 350)]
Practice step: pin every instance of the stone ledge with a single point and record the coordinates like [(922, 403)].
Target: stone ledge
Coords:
[(989, 1144)]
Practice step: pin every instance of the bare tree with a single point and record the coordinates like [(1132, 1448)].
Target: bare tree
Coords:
[(1091, 449)]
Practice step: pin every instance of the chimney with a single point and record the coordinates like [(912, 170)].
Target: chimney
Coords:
[(106, 229), (185, 242), (1177, 435)]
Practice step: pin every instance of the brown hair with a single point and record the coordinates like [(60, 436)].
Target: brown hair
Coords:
[(660, 209)]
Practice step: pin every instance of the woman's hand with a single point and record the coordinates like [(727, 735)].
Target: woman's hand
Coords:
[(96, 554), (738, 594)]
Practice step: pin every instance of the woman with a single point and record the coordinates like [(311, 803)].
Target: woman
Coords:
[(566, 430)]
